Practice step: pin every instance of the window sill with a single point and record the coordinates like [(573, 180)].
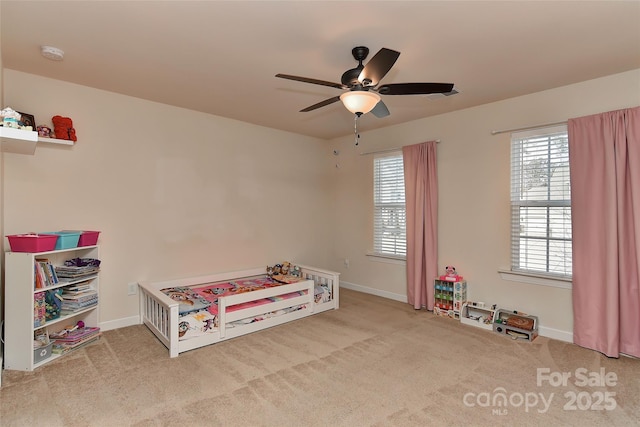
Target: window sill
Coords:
[(389, 259), (535, 279)]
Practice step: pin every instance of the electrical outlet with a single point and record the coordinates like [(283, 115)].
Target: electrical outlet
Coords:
[(346, 262), (133, 288)]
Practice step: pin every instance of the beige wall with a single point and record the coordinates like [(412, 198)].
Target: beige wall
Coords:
[(179, 193), (175, 192), (473, 181)]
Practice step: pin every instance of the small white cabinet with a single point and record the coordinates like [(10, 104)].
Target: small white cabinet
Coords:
[(20, 292), (477, 314)]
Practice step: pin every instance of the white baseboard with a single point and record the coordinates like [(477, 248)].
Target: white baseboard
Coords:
[(120, 323), (543, 331), (373, 291), (556, 334)]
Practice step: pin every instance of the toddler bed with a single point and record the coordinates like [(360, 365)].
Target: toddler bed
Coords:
[(189, 313)]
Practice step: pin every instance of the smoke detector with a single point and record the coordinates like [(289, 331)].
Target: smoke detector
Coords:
[(52, 53)]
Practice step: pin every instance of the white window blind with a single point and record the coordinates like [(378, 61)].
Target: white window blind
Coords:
[(389, 222), (541, 202)]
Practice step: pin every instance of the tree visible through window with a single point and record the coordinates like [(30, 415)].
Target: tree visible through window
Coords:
[(541, 202), (389, 230)]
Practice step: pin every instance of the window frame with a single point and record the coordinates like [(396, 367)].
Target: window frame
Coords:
[(397, 181), (552, 202)]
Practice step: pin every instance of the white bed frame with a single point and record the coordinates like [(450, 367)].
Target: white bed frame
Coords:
[(160, 313)]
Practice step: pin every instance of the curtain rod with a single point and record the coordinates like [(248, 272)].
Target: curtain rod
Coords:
[(388, 150), (496, 132)]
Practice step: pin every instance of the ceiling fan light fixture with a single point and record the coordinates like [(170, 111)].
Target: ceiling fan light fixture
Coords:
[(359, 101)]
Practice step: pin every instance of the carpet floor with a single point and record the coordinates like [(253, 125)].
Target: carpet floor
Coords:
[(373, 362)]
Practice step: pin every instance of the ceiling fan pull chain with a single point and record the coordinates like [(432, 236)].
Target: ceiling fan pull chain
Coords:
[(355, 128)]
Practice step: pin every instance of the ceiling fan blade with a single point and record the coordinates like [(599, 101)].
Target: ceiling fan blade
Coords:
[(414, 88), (312, 81), (378, 67), (321, 104), (380, 110)]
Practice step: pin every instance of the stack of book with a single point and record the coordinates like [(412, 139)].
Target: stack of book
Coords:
[(78, 297), (73, 272), (65, 341)]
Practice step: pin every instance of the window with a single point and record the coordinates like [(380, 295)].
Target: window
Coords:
[(541, 202), (389, 218)]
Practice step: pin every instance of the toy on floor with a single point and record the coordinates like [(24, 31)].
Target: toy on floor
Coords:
[(516, 324), (451, 274)]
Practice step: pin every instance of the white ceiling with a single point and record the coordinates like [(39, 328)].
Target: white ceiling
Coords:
[(220, 57)]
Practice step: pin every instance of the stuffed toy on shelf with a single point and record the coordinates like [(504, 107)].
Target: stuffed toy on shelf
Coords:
[(63, 128)]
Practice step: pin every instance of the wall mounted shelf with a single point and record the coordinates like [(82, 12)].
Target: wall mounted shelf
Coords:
[(20, 141), (55, 141)]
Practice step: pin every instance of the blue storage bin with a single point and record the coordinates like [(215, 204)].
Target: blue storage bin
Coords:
[(66, 239)]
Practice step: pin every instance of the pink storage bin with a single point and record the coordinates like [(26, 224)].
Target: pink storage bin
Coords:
[(87, 238), (32, 242)]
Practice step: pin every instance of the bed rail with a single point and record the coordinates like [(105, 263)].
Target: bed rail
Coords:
[(330, 279), (161, 313)]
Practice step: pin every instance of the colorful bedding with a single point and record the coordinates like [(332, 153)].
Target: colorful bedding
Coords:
[(212, 292), (199, 306), (195, 324), (189, 300), (321, 294)]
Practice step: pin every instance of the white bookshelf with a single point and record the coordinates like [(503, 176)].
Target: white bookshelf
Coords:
[(19, 325)]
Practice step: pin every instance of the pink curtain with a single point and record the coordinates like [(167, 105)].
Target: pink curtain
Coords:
[(604, 156), (421, 198)]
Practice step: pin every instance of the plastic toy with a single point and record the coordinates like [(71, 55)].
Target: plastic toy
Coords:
[(295, 271), (44, 131), (451, 274)]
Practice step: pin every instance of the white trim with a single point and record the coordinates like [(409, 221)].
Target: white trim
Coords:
[(373, 291), (534, 279), (120, 323), (389, 259), (556, 334)]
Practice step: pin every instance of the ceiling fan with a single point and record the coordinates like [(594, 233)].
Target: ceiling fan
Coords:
[(363, 94)]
